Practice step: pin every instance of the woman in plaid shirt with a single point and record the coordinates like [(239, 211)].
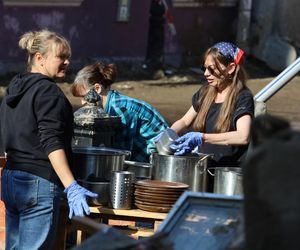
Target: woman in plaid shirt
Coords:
[(140, 122)]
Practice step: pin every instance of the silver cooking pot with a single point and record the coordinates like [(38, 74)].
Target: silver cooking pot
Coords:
[(90, 163), (191, 170), (227, 180), (142, 170)]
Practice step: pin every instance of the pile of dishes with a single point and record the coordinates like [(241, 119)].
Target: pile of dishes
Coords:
[(157, 196)]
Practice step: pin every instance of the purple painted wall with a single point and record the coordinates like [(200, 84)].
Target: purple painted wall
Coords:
[(199, 28), (93, 30)]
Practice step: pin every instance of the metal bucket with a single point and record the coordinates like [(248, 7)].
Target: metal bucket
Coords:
[(227, 180), (191, 170)]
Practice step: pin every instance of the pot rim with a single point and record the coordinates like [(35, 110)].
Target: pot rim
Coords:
[(234, 170), (93, 182), (137, 164), (100, 151), (191, 156)]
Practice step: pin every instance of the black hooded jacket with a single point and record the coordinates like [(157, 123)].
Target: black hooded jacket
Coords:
[(36, 119)]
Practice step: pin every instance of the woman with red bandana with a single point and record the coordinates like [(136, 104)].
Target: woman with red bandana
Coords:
[(221, 111)]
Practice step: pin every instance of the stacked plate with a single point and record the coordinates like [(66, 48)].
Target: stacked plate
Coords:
[(157, 196)]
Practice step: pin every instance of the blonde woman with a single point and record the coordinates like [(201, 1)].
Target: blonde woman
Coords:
[(36, 131), (221, 110)]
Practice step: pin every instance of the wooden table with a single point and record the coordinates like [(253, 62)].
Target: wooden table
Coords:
[(105, 214)]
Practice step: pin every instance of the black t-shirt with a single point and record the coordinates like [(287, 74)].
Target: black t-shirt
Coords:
[(226, 155)]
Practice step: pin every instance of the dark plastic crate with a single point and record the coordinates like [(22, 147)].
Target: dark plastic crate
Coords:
[(204, 221)]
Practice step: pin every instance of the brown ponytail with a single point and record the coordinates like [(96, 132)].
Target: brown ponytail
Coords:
[(108, 74), (104, 74)]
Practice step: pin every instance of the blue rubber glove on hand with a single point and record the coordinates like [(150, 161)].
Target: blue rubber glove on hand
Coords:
[(77, 199), (186, 143)]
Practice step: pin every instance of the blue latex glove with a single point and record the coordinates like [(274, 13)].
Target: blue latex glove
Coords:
[(76, 195), (186, 143)]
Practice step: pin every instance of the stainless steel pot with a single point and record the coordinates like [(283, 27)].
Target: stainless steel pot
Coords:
[(142, 170), (191, 170), (97, 162), (99, 187), (227, 180)]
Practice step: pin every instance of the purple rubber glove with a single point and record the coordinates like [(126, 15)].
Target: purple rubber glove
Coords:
[(186, 143), (76, 195)]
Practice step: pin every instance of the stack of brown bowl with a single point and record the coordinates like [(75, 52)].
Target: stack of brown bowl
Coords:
[(157, 196)]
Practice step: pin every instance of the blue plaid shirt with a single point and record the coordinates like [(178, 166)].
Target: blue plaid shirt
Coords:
[(140, 123)]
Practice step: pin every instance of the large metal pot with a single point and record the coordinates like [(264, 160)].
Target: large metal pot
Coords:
[(99, 187), (92, 163), (191, 170), (142, 170), (227, 180)]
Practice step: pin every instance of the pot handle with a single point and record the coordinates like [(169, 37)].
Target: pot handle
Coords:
[(204, 157), (208, 170), (199, 163), (151, 159), (127, 154)]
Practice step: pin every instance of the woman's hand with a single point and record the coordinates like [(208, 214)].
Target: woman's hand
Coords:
[(186, 143), (77, 199)]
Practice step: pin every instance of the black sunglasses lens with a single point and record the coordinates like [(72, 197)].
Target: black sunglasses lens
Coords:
[(210, 70)]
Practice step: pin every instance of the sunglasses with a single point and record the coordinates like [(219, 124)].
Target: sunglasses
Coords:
[(210, 69)]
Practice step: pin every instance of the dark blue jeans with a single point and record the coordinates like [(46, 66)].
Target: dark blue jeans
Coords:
[(32, 210)]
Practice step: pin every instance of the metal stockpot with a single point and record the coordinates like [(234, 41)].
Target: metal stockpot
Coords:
[(191, 170), (227, 180), (99, 187), (92, 163), (142, 170)]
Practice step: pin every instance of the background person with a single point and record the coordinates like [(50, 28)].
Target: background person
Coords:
[(36, 131), (159, 15), (271, 186), (265, 127), (221, 110), (140, 122)]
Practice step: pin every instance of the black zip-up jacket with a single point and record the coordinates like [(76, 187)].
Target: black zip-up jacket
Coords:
[(36, 119)]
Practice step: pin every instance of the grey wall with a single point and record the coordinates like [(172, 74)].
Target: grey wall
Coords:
[(275, 31)]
